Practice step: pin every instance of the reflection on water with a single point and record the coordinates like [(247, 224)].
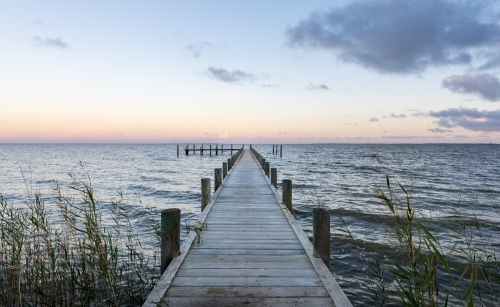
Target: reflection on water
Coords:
[(342, 177)]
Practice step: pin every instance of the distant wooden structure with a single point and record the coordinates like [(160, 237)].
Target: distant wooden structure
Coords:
[(216, 149), (253, 252)]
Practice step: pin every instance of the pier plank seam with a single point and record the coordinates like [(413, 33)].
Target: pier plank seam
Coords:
[(261, 268), (334, 291), (160, 289)]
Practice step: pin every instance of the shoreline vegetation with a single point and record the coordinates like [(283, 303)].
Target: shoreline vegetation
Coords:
[(67, 254), (80, 251)]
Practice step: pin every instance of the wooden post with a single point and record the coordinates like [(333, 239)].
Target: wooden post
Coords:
[(286, 186), (210, 149), (205, 192), (201, 152), (222, 149), (217, 178), (274, 177), (224, 170), (263, 163), (187, 150), (229, 164), (217, 149), (266, 168), (321, 235), (281, 151), (170, 236), (273, 149), (177, 150)]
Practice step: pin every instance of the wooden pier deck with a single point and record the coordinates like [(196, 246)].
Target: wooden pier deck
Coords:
[(253, 253)]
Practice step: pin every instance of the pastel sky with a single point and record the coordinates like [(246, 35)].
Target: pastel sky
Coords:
[(249, 71)]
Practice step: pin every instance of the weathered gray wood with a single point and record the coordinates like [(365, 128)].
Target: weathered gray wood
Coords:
[(170, 236), (286, 187), (274, 177), (247, 292), (248, 301), (217, 178), (321, 235), (224, 170), (267, 167), (205, 192), (250, 251)]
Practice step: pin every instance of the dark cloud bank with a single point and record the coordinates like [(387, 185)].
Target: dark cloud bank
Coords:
[(470, 119), (484, 85), (402, 37)]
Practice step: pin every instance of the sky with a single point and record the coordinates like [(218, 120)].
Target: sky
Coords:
[(391, 71)]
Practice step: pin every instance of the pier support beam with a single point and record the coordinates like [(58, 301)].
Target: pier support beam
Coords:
[(224, 170), (217, 178), (286, 186), (321, 235), (274, 177), (170, 236), (205, 192), (267, 166)]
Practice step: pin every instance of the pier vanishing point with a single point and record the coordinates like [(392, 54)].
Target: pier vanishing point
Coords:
[(252, 253)]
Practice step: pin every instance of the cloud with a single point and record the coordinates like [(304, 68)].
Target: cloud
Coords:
[(400, 37), (224, 75), (270, 85), (313, 87), (196, 48), (398, 116), (470, 119), (438, 130), (373, 119), (49, 42), (484, 85)]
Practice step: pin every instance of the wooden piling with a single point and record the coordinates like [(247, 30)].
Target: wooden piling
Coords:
[(281, 151), (217, 178), (267, 166), (170, 236), (205, 192), (229, 164), (273, 149), (210, 149), (274, 177), (177, 150), (286, 186), (321, 235), (224, 170), (201, 151)]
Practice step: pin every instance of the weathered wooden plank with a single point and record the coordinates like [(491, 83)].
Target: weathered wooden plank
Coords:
[(261, 302), (180, 281), (248, 252), (247, 265), (223, 246), (238, 258), (253, 272), (296, 292)]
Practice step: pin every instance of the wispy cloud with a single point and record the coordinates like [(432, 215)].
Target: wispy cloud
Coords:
[(484, 85), (49, 42), (470, 119), (401, 37), (235, 76), (398, 116), (313, 87), (438, 130), (272, 85), (373, 119), (196, 48)]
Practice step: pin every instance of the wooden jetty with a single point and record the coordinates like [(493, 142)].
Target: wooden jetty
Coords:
[(201, 149), (252, 253)]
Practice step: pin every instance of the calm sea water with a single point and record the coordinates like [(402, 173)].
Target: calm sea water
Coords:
[(442, 178)]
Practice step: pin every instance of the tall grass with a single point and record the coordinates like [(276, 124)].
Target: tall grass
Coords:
[(426, 272), (68, 254)]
